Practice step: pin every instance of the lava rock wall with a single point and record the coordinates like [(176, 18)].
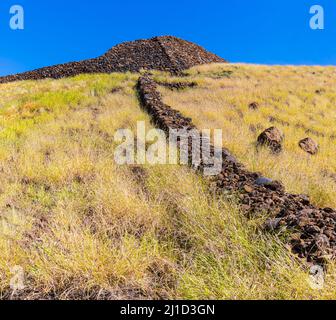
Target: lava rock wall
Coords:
[(312, 229)]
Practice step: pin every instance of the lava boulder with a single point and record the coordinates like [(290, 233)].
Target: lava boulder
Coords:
[(309, 146), (272, 138)]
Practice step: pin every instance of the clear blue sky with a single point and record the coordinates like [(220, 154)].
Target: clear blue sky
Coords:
[(258, 31)]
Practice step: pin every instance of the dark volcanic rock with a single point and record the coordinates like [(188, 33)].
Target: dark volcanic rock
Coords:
[(263, 181), (254, 106), (160, 53), (269, 184), (309, 145), (272, 224), (272, 138), (178, 85)]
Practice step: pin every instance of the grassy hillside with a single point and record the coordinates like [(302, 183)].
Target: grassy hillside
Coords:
[(82, 227), (300, 101)]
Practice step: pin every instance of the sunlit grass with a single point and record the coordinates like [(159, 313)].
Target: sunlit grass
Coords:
[(82, 227), (301, 101)]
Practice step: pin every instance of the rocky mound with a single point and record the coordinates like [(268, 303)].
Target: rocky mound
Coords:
[(160, 53)]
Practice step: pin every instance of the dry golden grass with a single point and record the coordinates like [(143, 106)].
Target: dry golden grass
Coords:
[(299, 98), (82, 227)]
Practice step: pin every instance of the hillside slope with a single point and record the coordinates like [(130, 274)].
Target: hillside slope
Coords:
[(80, 226), (299, 101)]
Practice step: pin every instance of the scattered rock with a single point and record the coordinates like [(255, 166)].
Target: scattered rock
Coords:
[(309, 146), (322, 242), (178, 85), (312, 229), (262, 181), (272, 224), (269, 184), (272, 138), (248, 189), (254, 106), (139, 173)]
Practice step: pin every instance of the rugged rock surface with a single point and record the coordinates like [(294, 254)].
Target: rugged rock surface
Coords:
[(253, 106), (309, 145), (160, 53), (163, 116), (272, 138), (312, 229)]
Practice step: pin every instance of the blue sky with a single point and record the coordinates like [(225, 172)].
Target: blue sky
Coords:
[(258, 31)]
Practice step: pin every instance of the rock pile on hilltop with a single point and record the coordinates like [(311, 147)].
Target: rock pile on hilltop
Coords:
[(160, 53)]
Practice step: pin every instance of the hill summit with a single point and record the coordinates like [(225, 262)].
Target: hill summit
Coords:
[(165, 53)]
